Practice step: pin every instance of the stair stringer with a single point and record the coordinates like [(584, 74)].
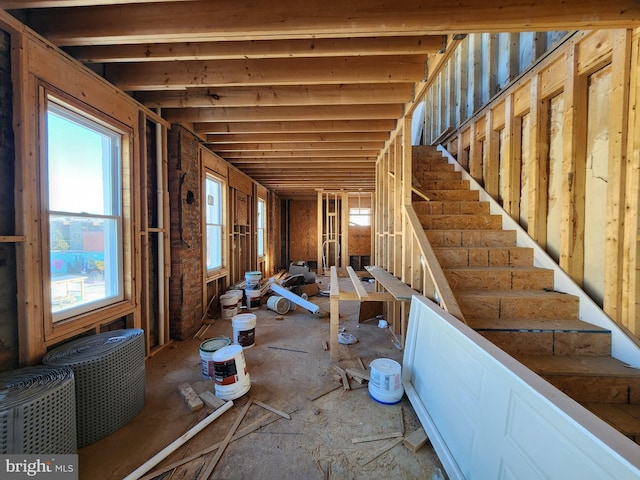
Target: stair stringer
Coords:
[(623, 347)]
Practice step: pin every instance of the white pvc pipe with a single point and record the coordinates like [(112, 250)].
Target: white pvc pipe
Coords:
[(312, 307), (160, 210), (169, 449)]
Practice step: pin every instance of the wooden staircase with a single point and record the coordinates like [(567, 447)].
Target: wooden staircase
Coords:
[(512, 303)]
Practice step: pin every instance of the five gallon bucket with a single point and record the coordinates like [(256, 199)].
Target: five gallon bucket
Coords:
[(385, 384), (231, 377), (228, 305), (253, 298), (252, 280), (239, 294), (278, 304), (207, 350), (244, 328)]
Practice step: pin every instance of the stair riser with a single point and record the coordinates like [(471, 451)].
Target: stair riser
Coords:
[(431, 166), (477, 238), (551, 343), (461, 222), (451, 208), (484, 257), (461, 279), (599, 389), (453, 195), (446, 185), (491, 306), (424, 177)]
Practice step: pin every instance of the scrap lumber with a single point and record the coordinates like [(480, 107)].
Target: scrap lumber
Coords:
[(380, 436), (189, 395), (274, 410), (416, 440), (184, 438), (211, 400), (357, 373), (343, 376), (242, 433), (383, 449), (226, 441)]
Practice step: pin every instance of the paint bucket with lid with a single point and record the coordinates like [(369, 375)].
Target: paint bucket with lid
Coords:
[(228, 305), (239, 294), (278, 304), (207, 350), (385, 384), (253, 299), (252, 280), (244, 329), (231, 376)]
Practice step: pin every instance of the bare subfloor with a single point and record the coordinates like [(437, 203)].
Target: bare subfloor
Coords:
[(290, 371)]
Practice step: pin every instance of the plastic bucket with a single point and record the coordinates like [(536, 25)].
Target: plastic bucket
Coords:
[(239, 294), (252, 280), (253, 299), (244, 329), (278, 304), (228, 305), (385, 384), (207, 349), (230, 373)]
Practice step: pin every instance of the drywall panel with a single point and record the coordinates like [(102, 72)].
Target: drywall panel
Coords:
[(597, 166), (524, 171), (554, 184)]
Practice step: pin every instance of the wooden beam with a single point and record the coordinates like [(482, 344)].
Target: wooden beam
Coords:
[(315, 146), (206, 20), (275, 138), (266, 71), (310, 126), (272, 114), (240, 50), (307, 154), (278, 95)]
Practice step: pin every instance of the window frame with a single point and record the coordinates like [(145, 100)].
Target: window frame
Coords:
[(93, 313), (261, 229), (217, 271)]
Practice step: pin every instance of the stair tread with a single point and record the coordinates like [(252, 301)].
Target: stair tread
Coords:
[(622, 416), (591, 366), (500, 268), (534, 324)]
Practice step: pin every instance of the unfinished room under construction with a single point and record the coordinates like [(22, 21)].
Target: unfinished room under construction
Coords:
[(320, 240)]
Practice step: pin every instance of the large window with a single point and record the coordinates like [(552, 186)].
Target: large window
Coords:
[(215, 222), (262, 227), (84, 212)]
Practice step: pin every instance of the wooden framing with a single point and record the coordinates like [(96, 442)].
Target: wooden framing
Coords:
[(566, 69)]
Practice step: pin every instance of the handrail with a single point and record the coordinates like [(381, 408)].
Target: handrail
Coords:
[(445, 295), (420, 194)]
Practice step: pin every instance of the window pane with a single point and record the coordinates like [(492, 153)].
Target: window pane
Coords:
[(85, 234), (214, 222), (261, 227), (79, 167)]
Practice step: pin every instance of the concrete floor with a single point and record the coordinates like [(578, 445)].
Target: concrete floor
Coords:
[(290, 371)]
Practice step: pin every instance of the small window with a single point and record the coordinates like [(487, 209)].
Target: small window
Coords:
[(360, 217), (214, 222), (262, 227), (84, 212)]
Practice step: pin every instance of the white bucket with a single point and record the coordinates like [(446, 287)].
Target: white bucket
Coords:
[(228, 305), (239, 294), (385, 385), (231, 377), (253, 299), (244, 329), (278, 304), (252, 280), (207, 349)]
